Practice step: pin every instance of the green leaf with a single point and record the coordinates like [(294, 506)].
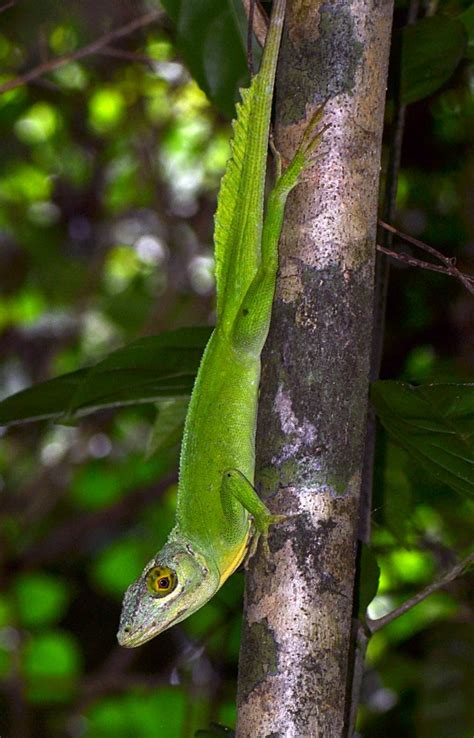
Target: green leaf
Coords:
[(398, 503), (52, 654), (159, 713), (435, 424), (169, 425), (44, 400), (118, 565), (52, 664), (368, 579), (467, 18), (431, 51), (211, 39), (40, 598), (144, 371)]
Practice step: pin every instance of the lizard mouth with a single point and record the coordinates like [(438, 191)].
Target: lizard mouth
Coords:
[(131, 639), (127, 639)]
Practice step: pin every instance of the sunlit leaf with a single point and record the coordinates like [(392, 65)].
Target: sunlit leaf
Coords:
[(25, 183), (52, 663), (96, 485), (63, 39), (41, 598), (151, 715), (38, 124), (435, 424), (52, 654), (72, 76), (102, 482), (116, 567), (431, 51), (106, 108)]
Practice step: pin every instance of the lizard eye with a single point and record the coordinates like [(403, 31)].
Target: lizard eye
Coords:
[(160, 581)]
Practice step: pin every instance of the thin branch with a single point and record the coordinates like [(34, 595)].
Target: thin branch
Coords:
[(260, 20), (128, 55), (455, 571), (412, 261), (73, 534), (449, 263), (7, 6), (92, 48)]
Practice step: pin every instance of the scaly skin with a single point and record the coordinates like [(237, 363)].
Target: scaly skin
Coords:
[(216, 499)]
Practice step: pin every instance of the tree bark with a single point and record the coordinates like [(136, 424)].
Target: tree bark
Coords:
[(295, 652)]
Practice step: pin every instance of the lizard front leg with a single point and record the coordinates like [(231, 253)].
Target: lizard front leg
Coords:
[(236, 485)]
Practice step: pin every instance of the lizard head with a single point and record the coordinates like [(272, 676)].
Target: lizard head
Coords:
[(175, 583)]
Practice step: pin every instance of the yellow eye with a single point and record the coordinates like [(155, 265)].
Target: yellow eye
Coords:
[(161, 580)]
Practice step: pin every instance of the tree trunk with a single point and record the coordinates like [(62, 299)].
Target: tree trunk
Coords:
[(295, 652)]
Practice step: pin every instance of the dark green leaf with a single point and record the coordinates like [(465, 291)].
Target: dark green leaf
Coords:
[(211, 39), (44, 400), (169, 424), (467, 18), (435, 424), (431, 51), (398, 503), (368, 579), (143, 371)]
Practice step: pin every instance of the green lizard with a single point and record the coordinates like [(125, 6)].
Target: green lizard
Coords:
[(218, 508)]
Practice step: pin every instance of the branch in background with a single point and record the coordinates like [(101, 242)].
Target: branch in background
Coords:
[(127, 55), (449, 263), (7, 6), (395, 143), (260, 19), (92, 48), (73, 534), (412, 261), (456, 571)]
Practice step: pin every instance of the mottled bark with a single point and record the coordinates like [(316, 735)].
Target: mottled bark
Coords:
[(295, 649)]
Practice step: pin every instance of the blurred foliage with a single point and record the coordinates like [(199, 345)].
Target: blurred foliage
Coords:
[(109, 168)]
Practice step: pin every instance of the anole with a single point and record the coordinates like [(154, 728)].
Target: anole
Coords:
[(218, 510)]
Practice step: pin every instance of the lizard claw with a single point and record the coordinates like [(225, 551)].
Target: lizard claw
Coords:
[(311, 137)]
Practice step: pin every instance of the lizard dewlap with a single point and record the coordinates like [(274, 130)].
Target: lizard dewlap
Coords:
[(217, 504)]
